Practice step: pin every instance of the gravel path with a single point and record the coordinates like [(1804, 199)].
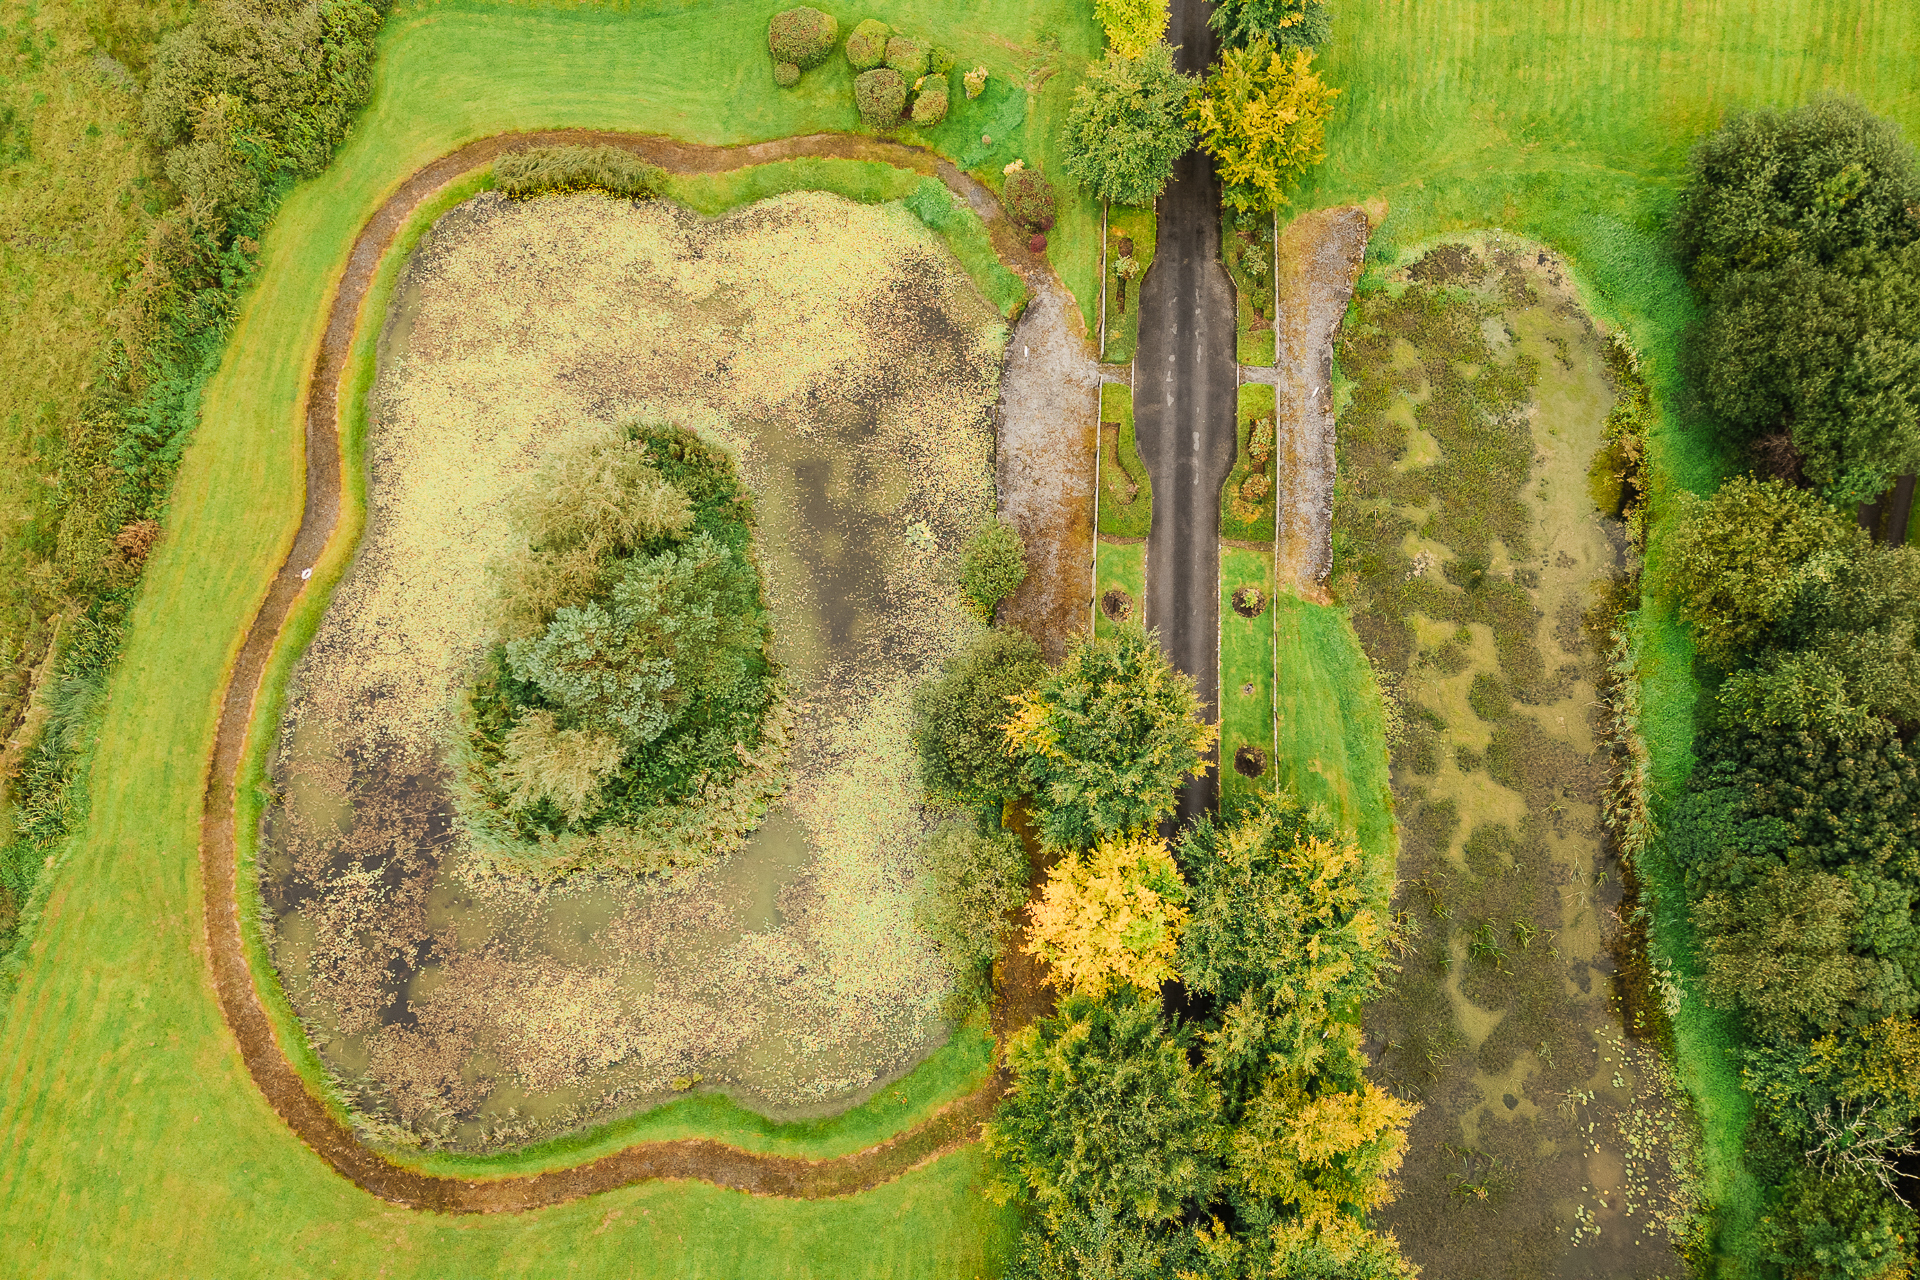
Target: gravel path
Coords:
[(1043, 488), (1320, 256)]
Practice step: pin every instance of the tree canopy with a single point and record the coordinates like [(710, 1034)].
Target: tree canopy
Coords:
[(1287, 24), (1262, 115), (1128, 125), (960, 717), (1105, 740), (1110, 916)]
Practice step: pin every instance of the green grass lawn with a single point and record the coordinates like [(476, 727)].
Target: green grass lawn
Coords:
[(125, 1109), (1246, 668), (1122, 565), (1249, 260), (1121, 470), (1239, 519), (1332, 738), (1571, 123), (1123, 324)]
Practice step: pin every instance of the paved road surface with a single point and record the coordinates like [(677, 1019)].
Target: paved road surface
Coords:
[(1184, 396)]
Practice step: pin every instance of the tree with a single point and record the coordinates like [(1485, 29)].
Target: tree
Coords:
[(1105, 740), (601, 496), (960, 717), (1771, 187), (1110, 917), (1288, 24), (1832, 353), (682, 628), (992, 566), (1324, 1154), (1106, 1110), (1782, 951), (1128, 125), (1744, 557), (969, 882), (1132, 26), (1262, 116), (1838, 1227)]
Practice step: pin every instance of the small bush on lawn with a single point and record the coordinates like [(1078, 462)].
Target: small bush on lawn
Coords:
[(1030, 198), (867, 45), (881, 95), (786, 75), (941, 61), (541, 170), (907, 56), (992, 567), (930, 104), (802, 36)]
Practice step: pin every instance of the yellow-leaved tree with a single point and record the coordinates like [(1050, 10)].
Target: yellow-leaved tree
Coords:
[(1262, 116), (1132, 26), (1110, 917)]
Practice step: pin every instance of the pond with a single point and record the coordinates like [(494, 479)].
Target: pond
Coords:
[(850, 367)]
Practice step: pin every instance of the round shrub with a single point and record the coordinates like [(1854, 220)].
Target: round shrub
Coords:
[(786, 75), (907, 56), (1030, 199), (881, 95), (940, 61), (867, 45), (1037, 243), (930, 104), (802, 36)]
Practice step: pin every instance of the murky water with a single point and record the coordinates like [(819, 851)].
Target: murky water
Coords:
[(1551, 1142), (474, 1013)]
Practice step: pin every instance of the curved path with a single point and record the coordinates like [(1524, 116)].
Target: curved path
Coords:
[(306, 1115)]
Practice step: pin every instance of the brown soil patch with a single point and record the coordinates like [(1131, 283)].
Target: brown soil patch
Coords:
[(1022, 992), (1249, 602), (1117, 604), (1249, 761)]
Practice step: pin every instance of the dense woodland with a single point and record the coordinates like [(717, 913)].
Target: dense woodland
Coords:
[(1799, 835)]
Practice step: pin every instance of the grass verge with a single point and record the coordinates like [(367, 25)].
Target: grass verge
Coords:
[(1126, 490), (1240, 519), (1121, 566), (1141, 226), (1247, 251), (1246, 668)]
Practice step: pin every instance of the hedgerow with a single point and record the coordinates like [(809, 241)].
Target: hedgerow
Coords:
[(545, 170)]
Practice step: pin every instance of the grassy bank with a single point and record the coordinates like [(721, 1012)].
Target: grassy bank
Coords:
[(1119, 566), (1141, 226), (1126, 489), (1246, 669)]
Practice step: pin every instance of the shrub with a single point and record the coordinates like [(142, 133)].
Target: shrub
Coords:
[(1263, 116), (976, 81), (940, 62), (1128, 126), (907, 56), (802, 36), (1781, 951), (1106, 1110), (992, 567), (969, 884), (867, 45), (1771, 187), (930, 103), (881, 95), (786, 75), (564, 766), (1287, 24), (600, 495), (1106, 740), (1029, 198), (1838, 1227), (1110, 917), (540, 170), (1132, 26), (960, 717)]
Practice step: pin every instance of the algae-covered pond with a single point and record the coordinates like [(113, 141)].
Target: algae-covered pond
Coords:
[(850, 367), (1552, 1139)]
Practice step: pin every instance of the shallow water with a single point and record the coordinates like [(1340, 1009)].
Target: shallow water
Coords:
[(1551, 1142), (478, 1014)]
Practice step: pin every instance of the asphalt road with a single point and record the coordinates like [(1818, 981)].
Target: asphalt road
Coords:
[(1183, 404)]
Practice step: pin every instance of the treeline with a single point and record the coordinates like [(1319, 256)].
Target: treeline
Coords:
[(1799, 835), (1241, 1138), (247, 98)]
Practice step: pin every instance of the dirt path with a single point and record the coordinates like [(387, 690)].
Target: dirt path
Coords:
[(1022, 995), (1319, 260)]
